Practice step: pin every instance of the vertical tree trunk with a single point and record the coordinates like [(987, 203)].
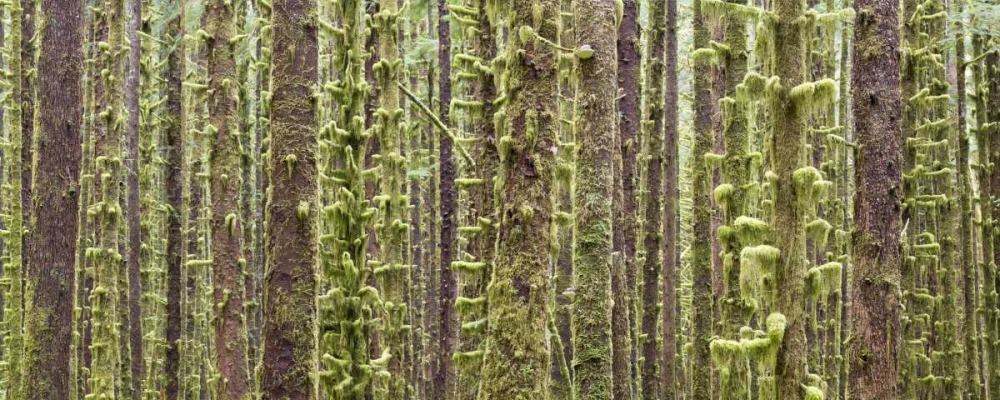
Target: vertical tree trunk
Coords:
[(106, 371), (652, 142), (28, 76), (13, 315), (516, 356), (701, 248), (224, 163), (392, 274), (970, 322), (51, 242), (671, 207), (735, 310), (627, 103), (289, 302), (132, 217), (875, 281), (444, 373), (791, 195), (594, 186), (175, 161)]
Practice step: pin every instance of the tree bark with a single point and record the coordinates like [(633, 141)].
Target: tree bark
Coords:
[(701, 248), (629, 123), (671, 207), (790, 204), (875, 281), (518, 294), (592, 200), (291, 249), (652, 200), (132, 211), (174, 176), (227, 251), (444, 373), (51, 241)]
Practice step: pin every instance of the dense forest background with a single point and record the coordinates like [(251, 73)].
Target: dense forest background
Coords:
[(499, 199)]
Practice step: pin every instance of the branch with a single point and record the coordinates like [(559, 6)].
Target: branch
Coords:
[(437, 121)]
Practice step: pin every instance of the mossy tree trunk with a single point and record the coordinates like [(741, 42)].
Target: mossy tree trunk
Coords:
[(791, 194), (516, 357), (628, 123), (736, 309), (444, 372), (28, 75), (592, 197), (970, 322), (652, 197), (51, 242), (13, 315), (174, 188), (133, 246), (877, 101), (990, 67), (392, 274), (228, 261), (289, 302), (701, 246), (671, 206), (105, 297)]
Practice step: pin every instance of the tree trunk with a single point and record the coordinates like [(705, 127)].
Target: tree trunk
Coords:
[(735, 310), (392, 274), (652, 200), (28, 76), (444, 373), (289, 298), (51, 242), (671, 208), (627, 105), (592, 199), (13, 315), (701, 248), (970, 323), (518, 294), (224, 164), (175, 161), (132, 213), (791, 196), (878, 112)]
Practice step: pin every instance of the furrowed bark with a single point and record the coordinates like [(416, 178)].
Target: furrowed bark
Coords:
[(51, 242), (872, 353), (289, 302), (228, 260)]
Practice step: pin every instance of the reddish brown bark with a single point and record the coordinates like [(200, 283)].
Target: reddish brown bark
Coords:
[(289, 280), (875, 281), (50, 255)]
